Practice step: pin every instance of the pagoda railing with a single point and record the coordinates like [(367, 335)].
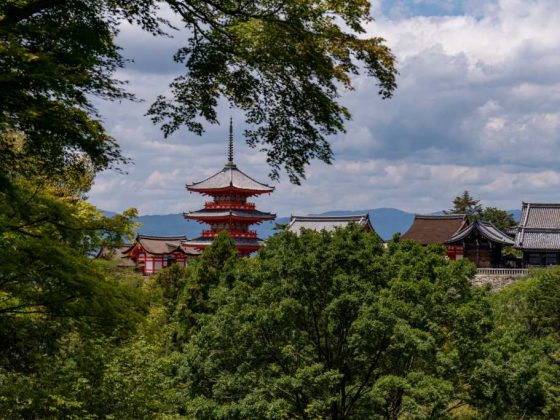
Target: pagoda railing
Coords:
[(229, 205), (234, 233)]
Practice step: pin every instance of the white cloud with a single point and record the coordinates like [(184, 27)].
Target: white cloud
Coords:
[(478, 108)]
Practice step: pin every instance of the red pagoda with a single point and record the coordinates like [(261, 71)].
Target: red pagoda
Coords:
[(229, 209)]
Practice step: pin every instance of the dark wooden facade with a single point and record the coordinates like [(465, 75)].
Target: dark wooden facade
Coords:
[(482, 252), (482, 243)]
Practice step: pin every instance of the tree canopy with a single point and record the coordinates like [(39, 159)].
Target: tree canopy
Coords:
[(281, 62), (330, 325), (467, 204), (499, 218)]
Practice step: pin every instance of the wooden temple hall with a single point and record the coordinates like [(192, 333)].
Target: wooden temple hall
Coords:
[(537, 236), (480, 242), (149, 254)]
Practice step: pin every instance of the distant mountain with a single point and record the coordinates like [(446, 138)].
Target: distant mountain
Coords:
[(516, 214), (386, 221), (176, 224)]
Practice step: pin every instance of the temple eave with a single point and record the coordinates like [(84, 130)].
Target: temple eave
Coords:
[(228, 189), (249, 219)]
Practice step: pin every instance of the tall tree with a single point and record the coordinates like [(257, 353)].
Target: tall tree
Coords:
[(279, 61), (466, 204), (49, 283)]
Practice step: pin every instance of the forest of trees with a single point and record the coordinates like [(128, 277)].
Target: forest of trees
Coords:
[(321, 325)]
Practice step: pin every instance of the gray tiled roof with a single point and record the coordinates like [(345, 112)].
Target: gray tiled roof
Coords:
[(229, 177), (539, 227), (540, 216), (538, 239), (486, 229), (249, 214), (327, 223), (160, 244)]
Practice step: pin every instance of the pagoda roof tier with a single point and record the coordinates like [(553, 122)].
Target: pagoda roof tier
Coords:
[(240, 243), (230, 179), (225, 214)]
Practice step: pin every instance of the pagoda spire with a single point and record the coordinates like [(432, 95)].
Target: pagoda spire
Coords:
[(230, 146), (229, 210)]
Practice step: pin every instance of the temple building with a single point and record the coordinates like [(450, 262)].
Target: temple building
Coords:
[(538, 234), (481, 243), (229, 209), (149, 254), (429, 229), (328, 223)]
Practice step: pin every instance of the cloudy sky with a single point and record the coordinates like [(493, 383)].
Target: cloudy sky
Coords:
[(477, 108)]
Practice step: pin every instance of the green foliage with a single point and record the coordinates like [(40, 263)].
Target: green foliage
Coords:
[(52, 291), (52, 56), (97, 377), (321, 325), (140, 379), (282, 62), (64, 316), (330, 325), (520, 376), (466, 204), (214, 268), (46, 243), (499, 218)]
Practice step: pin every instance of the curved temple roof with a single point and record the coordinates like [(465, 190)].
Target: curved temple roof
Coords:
[(486, 229), (161, 245), (327, 223), (225, 213), (430, 229), (230, 177), (539, 228)]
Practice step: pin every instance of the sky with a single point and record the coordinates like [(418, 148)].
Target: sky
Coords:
[(477, 108)]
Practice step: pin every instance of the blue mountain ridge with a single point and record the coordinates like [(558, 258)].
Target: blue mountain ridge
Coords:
[(386, 221)]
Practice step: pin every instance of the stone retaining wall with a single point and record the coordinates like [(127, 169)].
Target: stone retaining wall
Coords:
[(497, 282)]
